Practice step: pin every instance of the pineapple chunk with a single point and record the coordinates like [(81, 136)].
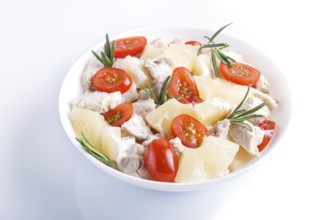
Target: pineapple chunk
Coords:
[(212, 110), (97, 131), (202, 66), (209, 161), (218, 87), (241, 159), (161, 118), (154, 49), (182, 55), (111, 141), (135, 69)]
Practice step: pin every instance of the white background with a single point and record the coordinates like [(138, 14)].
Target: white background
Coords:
[(42, 176)]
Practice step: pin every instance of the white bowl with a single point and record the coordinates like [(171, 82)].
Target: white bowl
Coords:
[(72, 87)]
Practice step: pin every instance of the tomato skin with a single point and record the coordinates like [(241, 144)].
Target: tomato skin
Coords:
[(269, 127), (119, 115), (190, 131), (129, 46), (183, 86), (161, 160), (111, 80), (194, 43), (240, 73)]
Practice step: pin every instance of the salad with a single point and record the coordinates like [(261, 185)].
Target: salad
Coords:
[(179, 111)]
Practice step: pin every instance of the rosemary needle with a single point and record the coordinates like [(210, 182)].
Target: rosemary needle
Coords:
[(239, 116), (216, 50), (108, 53), (89, 148), (162, 98)]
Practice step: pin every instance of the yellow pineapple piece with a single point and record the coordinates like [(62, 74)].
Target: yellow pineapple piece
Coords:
[(182, 55), (135, 69), (97, 131), (203, 66), (212, 110), (154, 49), (160, 119), (209, 161), (218, 87)]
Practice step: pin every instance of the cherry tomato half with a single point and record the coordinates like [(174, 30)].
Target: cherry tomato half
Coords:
[(161, 160), (111, 80), (240, 73), (190, 131), (194, 43), (119, 115), (183, 86), (129, 46), (268, 126)]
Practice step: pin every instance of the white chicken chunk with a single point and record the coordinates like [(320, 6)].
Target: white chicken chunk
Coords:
[(136, 127), (252, 102), (150, 138), (143, 107), (270, 101), (128, 146), (97, 101), (178, 146), (159, 69), (154, 48), (142, 95), (143, 172), (159, 42), (130, 164), (263, 84), (130, 95), (221, 128), (92, 67), (249, 140), (130, 158), (176, 41)]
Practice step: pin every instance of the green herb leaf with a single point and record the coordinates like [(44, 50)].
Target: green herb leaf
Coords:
[(107, 55), (112, 51), (214, 45), (231, 59), (107, 46), (216, 50), (251, 111), (239, 116), (244, 125), (240, 104), (97, 56), (218, 32), (222, 57), (162, 98), (150, 93), (163, 91), (208, 39), (214, 64)]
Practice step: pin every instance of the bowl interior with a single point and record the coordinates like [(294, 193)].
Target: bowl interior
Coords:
[(72, 87)]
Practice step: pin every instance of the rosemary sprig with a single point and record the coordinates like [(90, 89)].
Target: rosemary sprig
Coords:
[(220, 45), (162, 98), (163, 91), (88, 147), (218, 32), (239, 116), (216, 50), (108, 53)]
